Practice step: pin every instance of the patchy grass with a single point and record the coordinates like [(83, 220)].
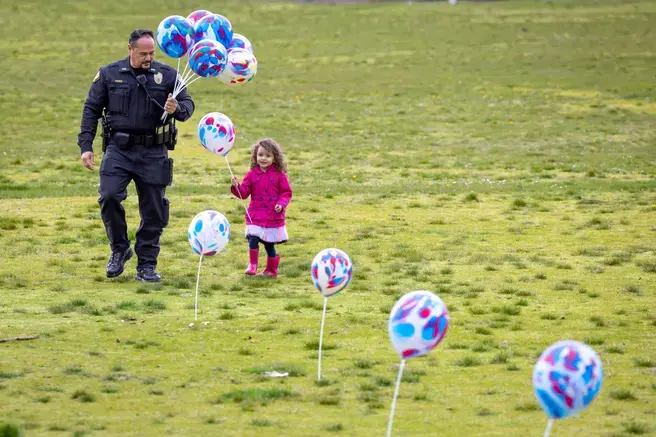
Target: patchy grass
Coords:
[(516, 181), (262, 396)]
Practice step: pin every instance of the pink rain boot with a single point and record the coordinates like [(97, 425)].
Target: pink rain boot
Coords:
[(252, 266), (271, 269)]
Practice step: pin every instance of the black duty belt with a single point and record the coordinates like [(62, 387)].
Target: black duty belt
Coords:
[(159, 138)]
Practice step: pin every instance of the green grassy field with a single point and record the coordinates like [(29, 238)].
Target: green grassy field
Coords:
[(499, 154)]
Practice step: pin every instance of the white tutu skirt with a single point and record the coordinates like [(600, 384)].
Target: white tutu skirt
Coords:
[(268, 235)]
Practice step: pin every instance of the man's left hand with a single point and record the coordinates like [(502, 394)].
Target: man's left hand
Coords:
[(171, 104)]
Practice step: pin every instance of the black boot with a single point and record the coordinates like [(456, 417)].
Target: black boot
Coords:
[(148, 274), (117, 262)]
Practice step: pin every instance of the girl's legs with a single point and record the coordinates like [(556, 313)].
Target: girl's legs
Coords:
[(270, 249), (272, 260), (254, 251), (253, 242)]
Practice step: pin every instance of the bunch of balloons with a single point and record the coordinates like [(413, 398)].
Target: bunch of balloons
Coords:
[(212, 48)]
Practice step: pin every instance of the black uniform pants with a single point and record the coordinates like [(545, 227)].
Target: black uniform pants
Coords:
[(151, 171)]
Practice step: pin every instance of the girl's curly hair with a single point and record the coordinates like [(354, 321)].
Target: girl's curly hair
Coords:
[(279, 161)]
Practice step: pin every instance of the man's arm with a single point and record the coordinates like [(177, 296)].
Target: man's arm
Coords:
[(93, 108), (185, 108)]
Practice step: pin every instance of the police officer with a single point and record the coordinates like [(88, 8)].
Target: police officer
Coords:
[(131, 96)]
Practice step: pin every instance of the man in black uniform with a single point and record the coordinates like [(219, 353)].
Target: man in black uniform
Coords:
[(134, 93)]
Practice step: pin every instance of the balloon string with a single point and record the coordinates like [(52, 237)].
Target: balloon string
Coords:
[(396, 394), (323, 319), (238, 192), (547, 431), (197, 281)]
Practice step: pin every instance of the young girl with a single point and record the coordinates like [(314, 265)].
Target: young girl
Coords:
[(268, 186)]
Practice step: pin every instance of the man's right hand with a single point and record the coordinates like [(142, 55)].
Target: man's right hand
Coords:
[(87, 160)]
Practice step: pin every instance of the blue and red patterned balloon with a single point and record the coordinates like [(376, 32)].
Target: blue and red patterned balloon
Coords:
[(331, 271), (418, 323), (215, 27), (207, 58), (240, 42), (241, 67), (216, 133), (566, 378), (208, 233), (195, 16), (175, 36)]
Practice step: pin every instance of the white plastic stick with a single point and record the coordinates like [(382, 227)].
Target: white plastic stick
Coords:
[(396, 394), (189, 81), (181, 77), (238, 192), (177, 75), (181, 83), (197, 281), (184, 80), (547, 431), (185, 69), (323, 319), (178, 79)]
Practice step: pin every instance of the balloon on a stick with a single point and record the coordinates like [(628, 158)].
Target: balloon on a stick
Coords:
[(566, 379), (216, 133), (239, 42), (207, 58), (195, 16), (417, 323), (331, 272), (175, 36), (208, 234), (241, 67), (215, 27)]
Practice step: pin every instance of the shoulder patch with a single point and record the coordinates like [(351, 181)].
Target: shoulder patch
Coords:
[(96, 77)]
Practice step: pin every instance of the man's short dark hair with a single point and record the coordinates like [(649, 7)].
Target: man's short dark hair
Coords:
[(139, 33)]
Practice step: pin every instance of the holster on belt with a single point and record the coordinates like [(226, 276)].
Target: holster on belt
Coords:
[(106, 133)]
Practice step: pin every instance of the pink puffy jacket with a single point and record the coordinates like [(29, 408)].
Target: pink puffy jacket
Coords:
[(267, 189)]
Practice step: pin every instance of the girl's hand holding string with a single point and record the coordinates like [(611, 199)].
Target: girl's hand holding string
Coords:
[(278, 208), (235, 182)]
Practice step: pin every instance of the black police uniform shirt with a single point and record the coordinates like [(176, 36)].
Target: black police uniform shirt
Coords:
[(128, 109)]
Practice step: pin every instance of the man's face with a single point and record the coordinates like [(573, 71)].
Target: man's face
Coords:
[(264, 158), (142, 54)]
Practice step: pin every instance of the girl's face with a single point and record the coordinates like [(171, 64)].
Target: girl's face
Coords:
[(264, 158)]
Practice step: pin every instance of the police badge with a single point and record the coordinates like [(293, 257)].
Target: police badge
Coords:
[(158, 78)]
